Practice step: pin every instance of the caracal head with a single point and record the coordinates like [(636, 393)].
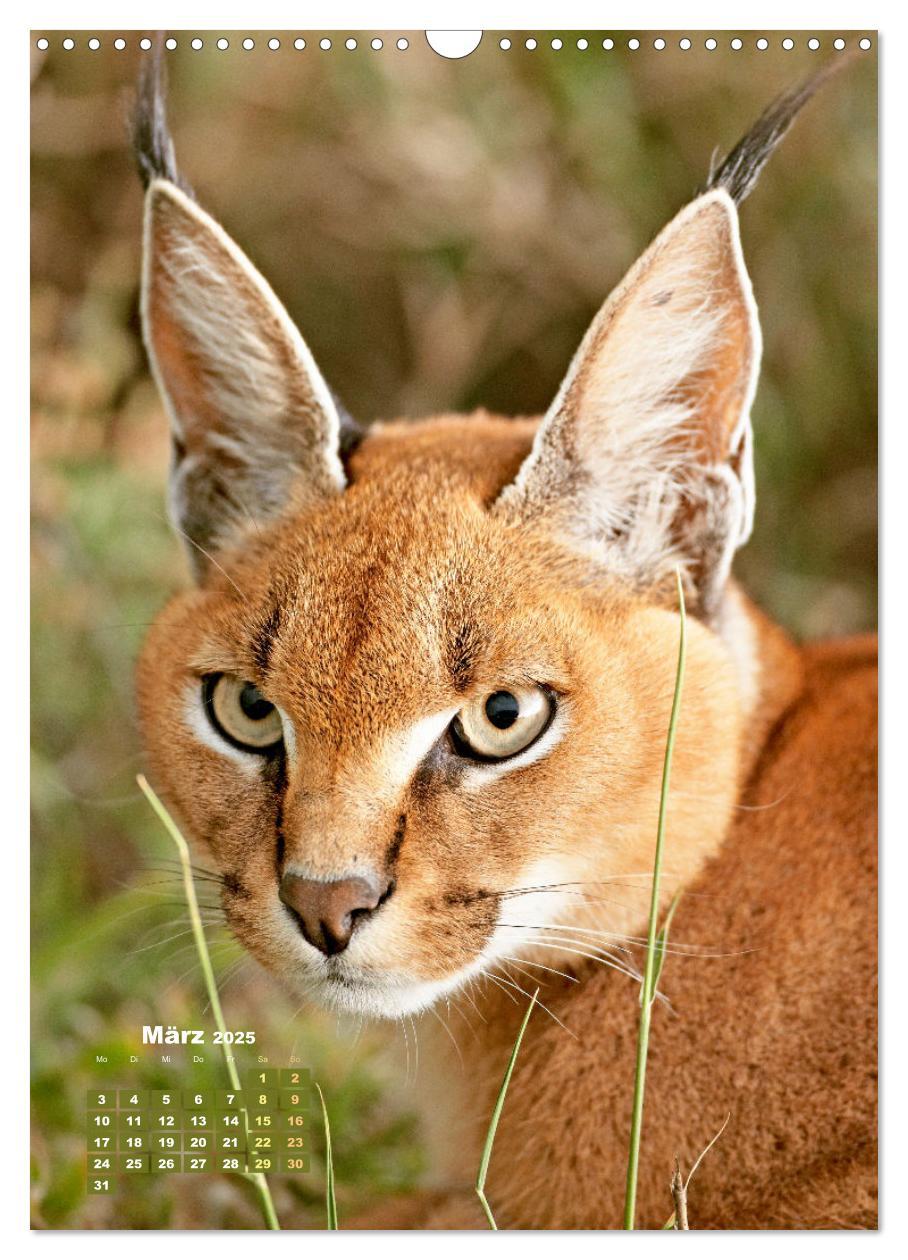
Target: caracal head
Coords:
[(414, 710)]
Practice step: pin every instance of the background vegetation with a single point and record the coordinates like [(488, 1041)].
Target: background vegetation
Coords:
[(442, 232)]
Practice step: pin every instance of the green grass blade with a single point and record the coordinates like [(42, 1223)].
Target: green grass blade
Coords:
[(330, 1200), (496, 1116), (662, 942), (258, 1179), (650, 969)]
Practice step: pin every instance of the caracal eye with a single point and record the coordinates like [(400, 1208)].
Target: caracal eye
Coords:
[(240, 713), (502, 724)]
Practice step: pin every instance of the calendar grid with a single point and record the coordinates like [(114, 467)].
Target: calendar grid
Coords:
[(261, 1128)]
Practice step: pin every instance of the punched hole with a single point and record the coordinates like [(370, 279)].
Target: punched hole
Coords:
[(453, 44)]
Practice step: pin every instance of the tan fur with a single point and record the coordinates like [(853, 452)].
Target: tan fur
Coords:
[(777, 1032), (455, 557), (373, 590)]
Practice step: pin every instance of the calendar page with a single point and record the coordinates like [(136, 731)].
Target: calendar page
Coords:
[(454, 583)]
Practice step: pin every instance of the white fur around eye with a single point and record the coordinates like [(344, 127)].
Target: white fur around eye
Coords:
[(289, 734), (403, 750)]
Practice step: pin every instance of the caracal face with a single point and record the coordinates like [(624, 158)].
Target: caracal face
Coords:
[(370, 624)]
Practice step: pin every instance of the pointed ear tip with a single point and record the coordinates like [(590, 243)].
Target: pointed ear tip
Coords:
[(169, 207), (163, 194), (713, 214), (160, 186), (718, 198)]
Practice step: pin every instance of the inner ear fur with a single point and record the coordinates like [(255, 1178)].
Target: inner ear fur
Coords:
[(255, 429), (644, 457)]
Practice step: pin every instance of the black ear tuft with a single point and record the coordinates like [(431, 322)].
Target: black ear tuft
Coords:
[(150, 136), (740, 170)]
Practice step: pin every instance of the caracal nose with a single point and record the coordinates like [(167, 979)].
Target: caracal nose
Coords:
[(328, 910)]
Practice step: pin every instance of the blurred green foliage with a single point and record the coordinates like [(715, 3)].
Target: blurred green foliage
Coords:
[(443, 232)]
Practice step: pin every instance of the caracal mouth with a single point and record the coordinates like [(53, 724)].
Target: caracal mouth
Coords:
[(355, 992)]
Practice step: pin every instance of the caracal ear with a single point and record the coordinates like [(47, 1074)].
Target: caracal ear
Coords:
[(644, 458), (255, 429)]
